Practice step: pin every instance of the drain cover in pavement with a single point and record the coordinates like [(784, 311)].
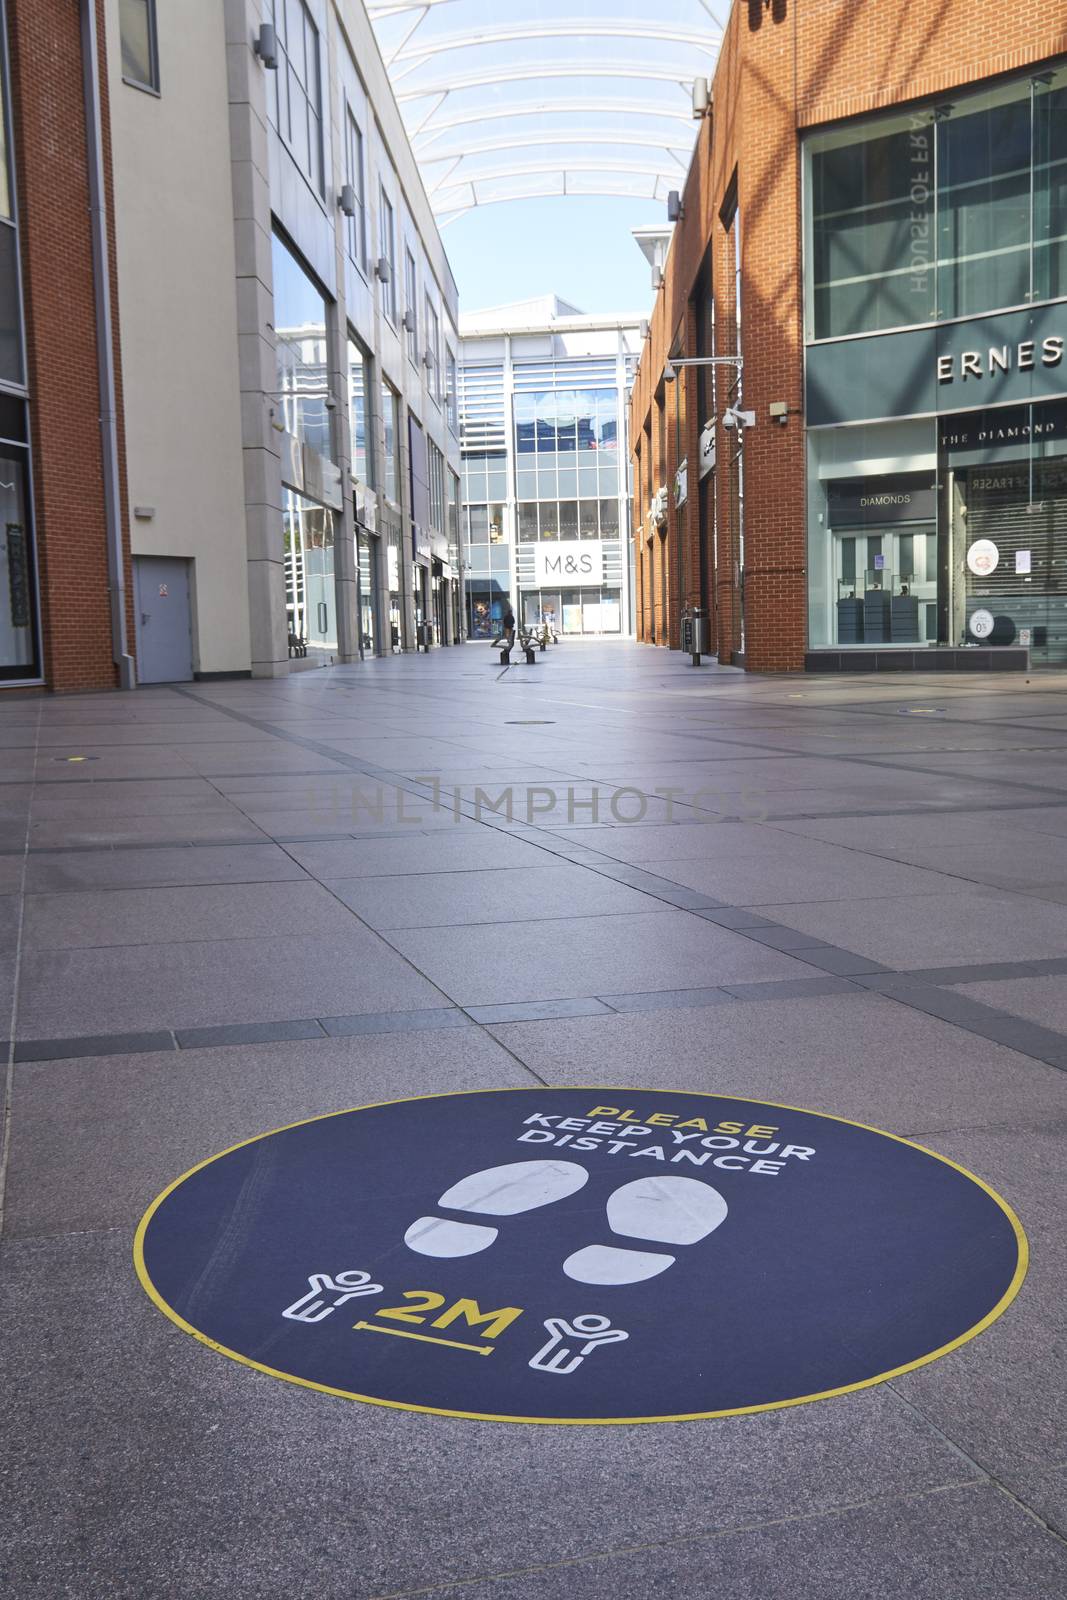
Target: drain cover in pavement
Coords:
[(530, 722), (577, 1255)]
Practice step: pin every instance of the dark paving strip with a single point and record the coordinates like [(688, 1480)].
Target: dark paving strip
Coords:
[(395, 1022), (101, 1044), (247, 1033), (999, 1027), (540, 1010), (991, 971)]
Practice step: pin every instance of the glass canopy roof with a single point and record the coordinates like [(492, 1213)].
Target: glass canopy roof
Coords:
[(547, 97)]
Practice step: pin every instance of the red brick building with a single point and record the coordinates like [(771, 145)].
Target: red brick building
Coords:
[(875, 219), (64, 543)]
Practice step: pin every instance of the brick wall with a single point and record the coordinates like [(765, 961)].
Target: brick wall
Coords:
[(786, 65), (48, 110)]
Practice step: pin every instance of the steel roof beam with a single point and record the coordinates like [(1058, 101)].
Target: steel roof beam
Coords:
[(630, 70)]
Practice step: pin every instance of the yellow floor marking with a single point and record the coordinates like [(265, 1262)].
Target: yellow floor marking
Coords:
[(427, 1338)]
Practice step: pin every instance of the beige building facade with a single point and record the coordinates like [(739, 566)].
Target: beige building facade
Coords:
[(288, 342)]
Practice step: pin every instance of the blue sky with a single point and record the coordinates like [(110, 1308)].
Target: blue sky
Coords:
[(578, 247)]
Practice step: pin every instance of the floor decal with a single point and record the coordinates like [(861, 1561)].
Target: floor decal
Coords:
[(581, 1255)]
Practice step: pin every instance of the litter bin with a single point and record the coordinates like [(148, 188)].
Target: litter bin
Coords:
[(424, 636), (696, 636)]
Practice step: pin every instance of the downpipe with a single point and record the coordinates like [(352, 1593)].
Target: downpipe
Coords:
[(109, 433)]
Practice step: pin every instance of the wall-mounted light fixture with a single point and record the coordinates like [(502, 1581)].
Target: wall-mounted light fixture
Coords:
[(643, 331), (266, 46), (701, 98), (675, 209), (408, 322), (383, 270), (347, 200)]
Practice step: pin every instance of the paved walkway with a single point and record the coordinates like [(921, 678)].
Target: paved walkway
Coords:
[(227, 907)]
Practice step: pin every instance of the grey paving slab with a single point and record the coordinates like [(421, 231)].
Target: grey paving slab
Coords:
[(9, 924), (1003, 1397), (924, 930), (97, 1139), (101, 917), (248, 1033), (454, 899), (11, 873), (503, 962), (951, 1544), (178, 864), (224, 825), (221, 1480), (865, 1058), (201, 982), (467, 848)]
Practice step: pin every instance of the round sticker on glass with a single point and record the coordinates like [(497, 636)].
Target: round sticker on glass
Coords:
[(983, 557), (981, 624), (581, 1255)]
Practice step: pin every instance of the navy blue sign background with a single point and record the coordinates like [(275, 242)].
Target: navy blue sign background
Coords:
[(828, 1272)]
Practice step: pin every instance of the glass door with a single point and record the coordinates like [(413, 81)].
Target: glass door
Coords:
[(885, 584)]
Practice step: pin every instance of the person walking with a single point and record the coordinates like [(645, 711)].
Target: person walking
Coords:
[(508, 624)]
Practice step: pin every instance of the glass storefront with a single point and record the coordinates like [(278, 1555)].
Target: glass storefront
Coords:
[(300, 330), (949, 531), (367, 556), (310, 593), (946, 227), (18, 632)]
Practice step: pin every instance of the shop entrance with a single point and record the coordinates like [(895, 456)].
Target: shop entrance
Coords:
[(1009, 557), (886, 584)]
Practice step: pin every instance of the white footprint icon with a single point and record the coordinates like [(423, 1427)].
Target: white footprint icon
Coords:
[(496, 1192), (666, 1210)]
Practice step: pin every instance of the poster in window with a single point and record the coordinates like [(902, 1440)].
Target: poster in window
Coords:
[(18, 575)]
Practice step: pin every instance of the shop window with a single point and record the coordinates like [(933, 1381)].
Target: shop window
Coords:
[(527, 521), (17, 599), (588, 527), (549, 520), (358, 414), (568, 519), (391, 442), (300, 336), (983, 203), (609, 519)]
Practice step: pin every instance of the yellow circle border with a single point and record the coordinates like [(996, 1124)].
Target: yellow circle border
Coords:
[(586, 1422)]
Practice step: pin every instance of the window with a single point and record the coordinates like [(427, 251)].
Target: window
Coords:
[(294, 93), (433, 351), (411, 316), (358, 414), (387, 250), (391, 442), (300, 344), (437, 488), (357, 224), (450, 389), (137, 36), (952, 210)]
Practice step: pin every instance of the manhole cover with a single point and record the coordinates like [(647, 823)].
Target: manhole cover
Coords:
[(74, 759), (489, 1255), (920, 711)]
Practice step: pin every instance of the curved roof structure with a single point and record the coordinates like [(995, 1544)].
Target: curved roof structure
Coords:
[(547, 97)]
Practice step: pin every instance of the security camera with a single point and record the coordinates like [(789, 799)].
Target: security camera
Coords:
[(669, 373), (733, 418)]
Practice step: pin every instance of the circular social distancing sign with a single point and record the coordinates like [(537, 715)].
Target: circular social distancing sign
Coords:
[(581, 1255)]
